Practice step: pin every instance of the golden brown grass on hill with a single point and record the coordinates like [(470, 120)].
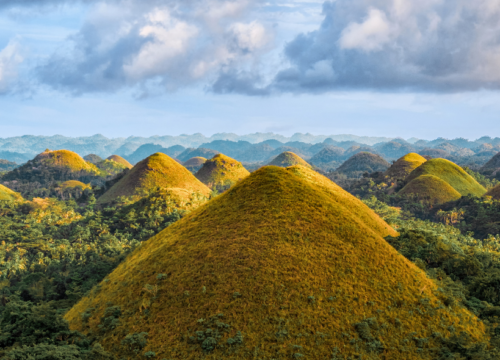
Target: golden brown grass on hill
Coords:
[(287, 159), (74, 183), (221, 170), (66, 159), (431, 189), (405, 165), (156, 171), (7, 194), (451, 173), (278, 267), (120, 160)]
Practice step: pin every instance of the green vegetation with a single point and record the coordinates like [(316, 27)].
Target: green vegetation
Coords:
[(276, 267), (404, 166), (92, 158), (156, 171), (431, 189), (221, 172), (450, 173), (494, 192), (287, 159)]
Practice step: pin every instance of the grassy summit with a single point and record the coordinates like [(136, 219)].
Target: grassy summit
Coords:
[(221, 171), (278, 267), (363, 162), (156, 171), (70, 184), (194, 164), (432, 189), (405, 165), (120, 160), (7, 194), (494, 193), (65, 159), (287, 159), (451, 173)]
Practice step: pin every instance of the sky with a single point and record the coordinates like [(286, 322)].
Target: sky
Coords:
[(423, 69)]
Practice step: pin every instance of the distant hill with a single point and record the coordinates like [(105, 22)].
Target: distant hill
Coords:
[(194, 164), (148, 149), (6, 165), (452, 174), (221, 172), (329, 155), (18, 158), (275, 268), (405, 165), (200, 152), (120, 160), (57, 165), (92, 158), (492, 167), (156, 171), (257, 153), (394, 149), (435, 153), (432, 189), (363, 162), (7, 194), (287, 159)]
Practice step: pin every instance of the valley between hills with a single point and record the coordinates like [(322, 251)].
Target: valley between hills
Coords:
[(336, 249)]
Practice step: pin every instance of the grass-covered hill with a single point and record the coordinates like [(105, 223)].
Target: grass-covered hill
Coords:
[(71, 184), (494, 192), (328, 156), (114, 165), (287, 159), (405, 165), (50, 166), (492, 167), (194, 164), (363, 162), (431, 189), (451, 173), (221, 172), (156, 171), (275, 268), (92, 158), (7, 194)]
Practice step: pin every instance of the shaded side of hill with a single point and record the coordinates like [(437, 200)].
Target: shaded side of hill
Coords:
[(363, 162), (405, 165)]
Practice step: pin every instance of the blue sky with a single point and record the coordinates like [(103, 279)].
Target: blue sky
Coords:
[(130, 67)]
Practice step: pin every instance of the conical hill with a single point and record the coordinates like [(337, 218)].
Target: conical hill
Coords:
[(221, 171), (71, 184), (363, 162), (405, 165), (156, 171), (287, 159), (120, 160), (274, 268), (494, 193), (195, 163), (432, 189), (7, 194), (57, 165), (451, 173)]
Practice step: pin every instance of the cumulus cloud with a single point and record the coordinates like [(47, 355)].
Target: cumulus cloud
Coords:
[(393, 45), (10, 59), (155, 45)]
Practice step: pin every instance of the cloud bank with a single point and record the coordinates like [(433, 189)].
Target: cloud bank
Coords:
[(157, 46), (10, 59)]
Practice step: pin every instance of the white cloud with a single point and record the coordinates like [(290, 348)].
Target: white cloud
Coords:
[(370, 35), (10, 59)]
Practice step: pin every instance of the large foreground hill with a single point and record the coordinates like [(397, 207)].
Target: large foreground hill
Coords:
[(278, 267)]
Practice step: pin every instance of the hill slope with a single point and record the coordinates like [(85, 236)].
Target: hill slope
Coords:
[(405, 165), (363, 162), (451, 173), (492, 166), (221, 171), (272, 269), (432, 189), (157, 170), (7, 194), (73, 184), (120, 160), (287, 159), (494, 193)]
